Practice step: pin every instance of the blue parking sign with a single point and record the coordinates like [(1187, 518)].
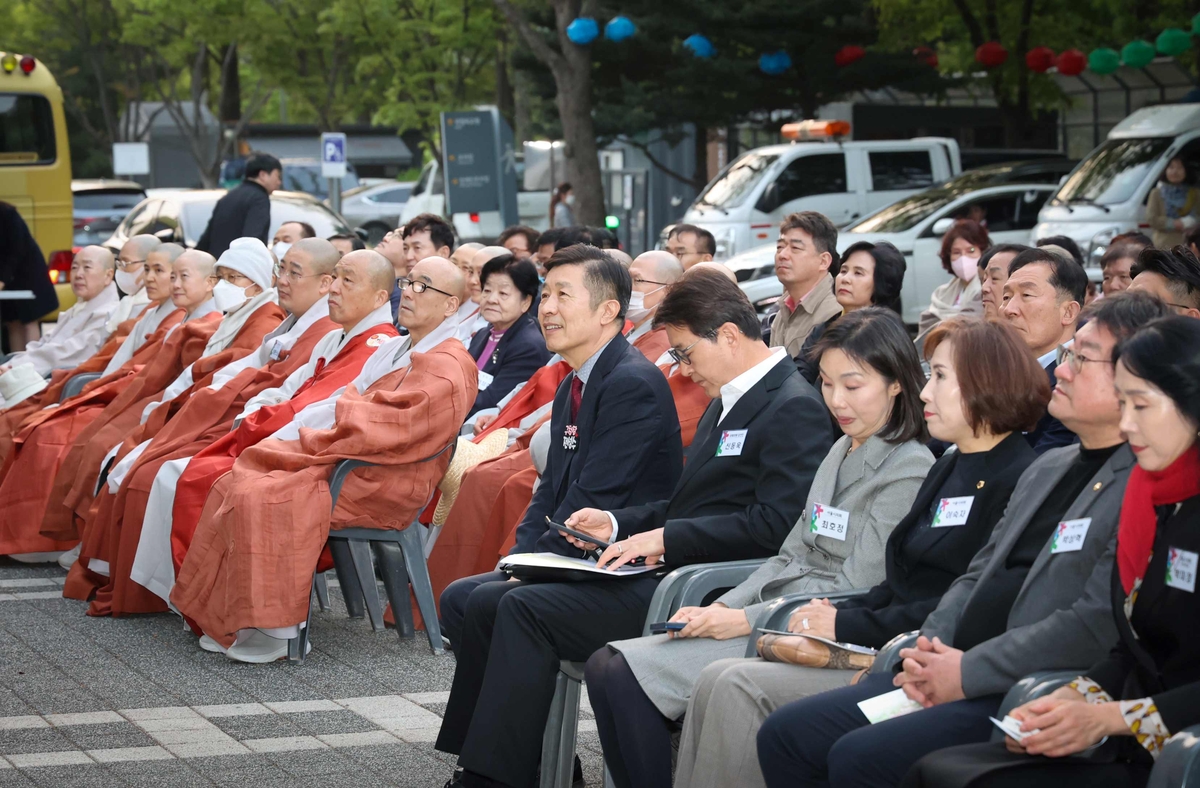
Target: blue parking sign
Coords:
[(333, 155)]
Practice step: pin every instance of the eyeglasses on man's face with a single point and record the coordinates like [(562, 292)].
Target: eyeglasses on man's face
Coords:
[(683, 356), (1074, 360), (418, 286)]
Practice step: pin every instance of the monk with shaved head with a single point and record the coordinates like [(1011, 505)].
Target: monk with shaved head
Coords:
[(719, 268), (246, 579), (335, 308)]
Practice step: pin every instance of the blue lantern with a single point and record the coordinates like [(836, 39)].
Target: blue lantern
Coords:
[(775, 63), (583, 31), (619, 28), (699, 46)]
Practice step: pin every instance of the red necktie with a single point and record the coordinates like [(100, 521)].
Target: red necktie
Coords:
[(576, 396)]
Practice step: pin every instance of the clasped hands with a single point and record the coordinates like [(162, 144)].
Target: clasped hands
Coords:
[(815, 617), (1065, 723), (932, 672)]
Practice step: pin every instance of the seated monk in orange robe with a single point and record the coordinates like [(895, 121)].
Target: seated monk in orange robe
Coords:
[(358, 320), (157, 288), (46, 436), (247, 312), (265, 523)]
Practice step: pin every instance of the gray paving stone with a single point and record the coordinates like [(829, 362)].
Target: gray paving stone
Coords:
[(106, 736), (13, 742), (265, 726), (92, 776), (157, 774)]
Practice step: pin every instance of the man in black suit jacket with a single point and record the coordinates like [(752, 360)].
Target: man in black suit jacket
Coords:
[(744, 487), (244, 212)]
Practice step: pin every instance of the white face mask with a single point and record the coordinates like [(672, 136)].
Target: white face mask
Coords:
[(228, 296), (966, 268), (128, 283), (280, 249), (637, 305), (570, 199)]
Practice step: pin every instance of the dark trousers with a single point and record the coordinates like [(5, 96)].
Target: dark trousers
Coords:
[(513, 637), (825, 740), (993, 766), (453, 603), (636, 737)]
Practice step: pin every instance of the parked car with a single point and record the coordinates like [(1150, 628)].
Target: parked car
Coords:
[(1106, 194), (181, 215), (744, 204), (915, 225), (100, 205), (1045, 170), (376, 208), (429, 196)]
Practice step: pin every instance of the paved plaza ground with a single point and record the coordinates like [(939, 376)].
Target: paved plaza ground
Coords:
[(134, 702)]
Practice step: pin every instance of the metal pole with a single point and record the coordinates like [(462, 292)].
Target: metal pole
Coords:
[(553, 184), (335, 194)]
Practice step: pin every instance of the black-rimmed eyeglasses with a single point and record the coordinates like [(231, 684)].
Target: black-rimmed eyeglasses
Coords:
[(683, 356), (419, 287), (1068, 356)]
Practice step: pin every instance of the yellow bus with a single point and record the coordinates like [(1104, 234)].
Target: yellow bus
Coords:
[(35, 162)]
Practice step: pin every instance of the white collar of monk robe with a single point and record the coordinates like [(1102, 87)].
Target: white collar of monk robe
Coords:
[(392, 355), (142, 329), (274, 344), (235, 319)]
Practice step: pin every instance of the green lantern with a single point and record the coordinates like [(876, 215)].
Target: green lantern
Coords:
[(1138, 54), (1103, 61), (1173, 42)]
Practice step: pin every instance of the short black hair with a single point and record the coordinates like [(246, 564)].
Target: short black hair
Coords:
[(356, 243), (524, 274), (604, 277), (573, 236), (550, 237), (440, 231), (1120, 251), (306, 229), (1166, 353), (992, 251), (888, 278), (259, 163), (705, 242), (1066, 276), (703, 301), (1179, 267), (1123, 313), (823, 231), (1063, 242), (602, 237), (876, 337), (530, 235)]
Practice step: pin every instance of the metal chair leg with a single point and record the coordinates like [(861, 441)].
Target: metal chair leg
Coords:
[(360, 553), (395, 581), (418, 575), (568, 733), (298, 646), (321, 587), (552, 738), (343, 566)]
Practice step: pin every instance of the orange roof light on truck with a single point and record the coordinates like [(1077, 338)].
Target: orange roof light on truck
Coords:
[(815, 130)]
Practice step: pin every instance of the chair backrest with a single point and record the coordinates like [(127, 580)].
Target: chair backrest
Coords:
[(76, 384), (888, 657), (1033, 686)]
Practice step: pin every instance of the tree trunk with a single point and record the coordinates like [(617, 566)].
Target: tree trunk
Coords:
[(505, 99), (700, 168), (573, 78), (230, 109)]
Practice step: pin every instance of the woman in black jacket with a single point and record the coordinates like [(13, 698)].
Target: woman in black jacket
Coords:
[(22, 267), (512, 348), (1148, 688), (867, 275), (985, 389)]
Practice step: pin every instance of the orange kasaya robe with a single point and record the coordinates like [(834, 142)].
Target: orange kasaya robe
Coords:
[(43, 440), (12, 418), (266, 522), (653, 344), (76, 479), (217, 459), (115, 523)]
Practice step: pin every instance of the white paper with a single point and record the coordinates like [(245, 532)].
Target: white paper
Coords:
[(1011, 727), (888, 706), (556, 561), (831, 643)]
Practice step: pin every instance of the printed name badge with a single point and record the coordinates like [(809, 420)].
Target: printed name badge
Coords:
[(827, 521), (485, 380), (731, 443), (1069, 535), (1181, 569), (952, 511), (276, 350)]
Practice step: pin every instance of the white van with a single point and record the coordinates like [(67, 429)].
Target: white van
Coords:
[(1105, 195), (429, 196), (743, 205)]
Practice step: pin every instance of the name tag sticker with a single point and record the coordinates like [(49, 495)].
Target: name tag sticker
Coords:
[(1069, 536), (887, 706), (952, 511), (827, 521), (1181, 569), (731, 443), (276, 350), (485, 380)]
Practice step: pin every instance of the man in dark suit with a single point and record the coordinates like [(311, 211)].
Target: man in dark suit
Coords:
[(744, 487), (1042, 299), (244, 212), (1036, 597)]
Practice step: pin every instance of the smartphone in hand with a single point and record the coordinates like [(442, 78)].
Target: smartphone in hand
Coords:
[(662, 627), (580, 535)]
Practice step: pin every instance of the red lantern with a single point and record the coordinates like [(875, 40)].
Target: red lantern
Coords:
[(1071, 63), (1040, 59), (847, 55), (991, 54), (927, 56)]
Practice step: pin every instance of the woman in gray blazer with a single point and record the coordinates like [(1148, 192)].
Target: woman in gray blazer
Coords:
[(871, 380)]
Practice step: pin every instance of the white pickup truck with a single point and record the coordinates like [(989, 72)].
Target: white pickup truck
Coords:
[(429, 196), (845, 180)]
